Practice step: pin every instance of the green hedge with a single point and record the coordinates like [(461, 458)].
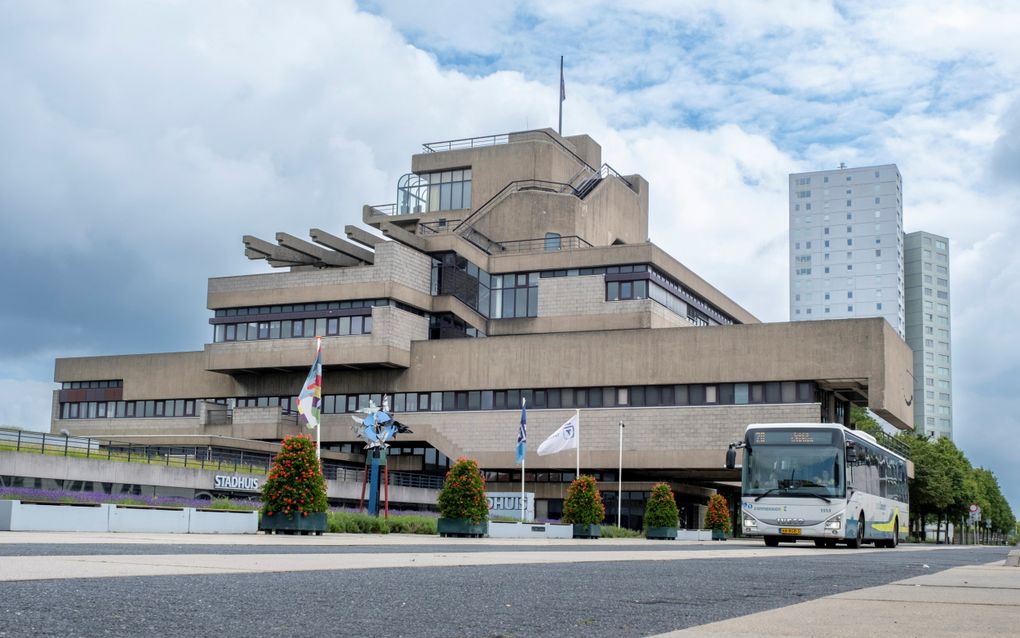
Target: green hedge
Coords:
[(355, 523)]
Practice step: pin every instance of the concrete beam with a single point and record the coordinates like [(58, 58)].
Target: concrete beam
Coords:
[(330, 240), (277, 256), (363, 237), (326, 257), (404, 237)]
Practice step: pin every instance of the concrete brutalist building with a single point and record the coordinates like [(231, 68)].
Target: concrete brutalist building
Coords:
[(510, 266)]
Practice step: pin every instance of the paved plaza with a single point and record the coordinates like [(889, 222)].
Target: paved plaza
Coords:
[(396, 585)]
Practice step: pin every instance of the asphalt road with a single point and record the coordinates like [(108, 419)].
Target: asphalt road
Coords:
[(634, 598)]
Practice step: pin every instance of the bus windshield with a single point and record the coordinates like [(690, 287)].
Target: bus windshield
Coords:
[(793, 470)]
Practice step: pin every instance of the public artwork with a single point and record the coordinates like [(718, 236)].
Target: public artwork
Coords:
[(377, 427)]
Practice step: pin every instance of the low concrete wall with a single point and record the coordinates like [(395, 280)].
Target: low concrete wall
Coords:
[(143, 519), (529, 530), (223, 522), (694, 534), (31, 517)]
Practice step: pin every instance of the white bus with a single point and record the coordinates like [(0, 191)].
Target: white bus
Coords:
[(822, 482)]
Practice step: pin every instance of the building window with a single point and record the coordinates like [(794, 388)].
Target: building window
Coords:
[(441, 190), (552, 241), (514, 295)]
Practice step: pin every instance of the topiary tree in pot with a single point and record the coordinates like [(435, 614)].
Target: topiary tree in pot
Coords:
[(661, 514), (463, 508), (294, 494), (717, 518), (584, 508)]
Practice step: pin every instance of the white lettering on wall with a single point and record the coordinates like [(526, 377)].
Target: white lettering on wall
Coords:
[(230, 482)]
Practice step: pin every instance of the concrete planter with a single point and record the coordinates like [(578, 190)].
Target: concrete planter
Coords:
[(694, 535), (586, 531), (16, 516), (208, 521), (528, 530), (314, 523), (718, 535), (460, 527), (661, 533), (160, 520)]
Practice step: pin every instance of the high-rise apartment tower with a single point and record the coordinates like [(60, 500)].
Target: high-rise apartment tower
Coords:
[(846, 245), (928, 331)]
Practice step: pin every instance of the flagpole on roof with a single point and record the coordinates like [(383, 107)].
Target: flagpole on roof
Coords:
[(563, 96)]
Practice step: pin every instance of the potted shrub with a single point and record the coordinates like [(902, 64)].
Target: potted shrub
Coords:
[(717, 518), (661, 514), (583, 507), (294, 495), (463, 509)]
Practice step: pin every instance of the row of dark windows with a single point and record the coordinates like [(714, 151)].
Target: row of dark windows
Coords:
[(301, 307), (287, 329), (878, 472), (552, 398), (127, 409), (493, 296), (91, 385)]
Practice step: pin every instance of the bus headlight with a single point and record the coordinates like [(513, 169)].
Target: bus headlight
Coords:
[(834, 522), (750, 522)]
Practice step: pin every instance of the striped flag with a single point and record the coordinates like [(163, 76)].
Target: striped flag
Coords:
[(522, 434), (310, 399)]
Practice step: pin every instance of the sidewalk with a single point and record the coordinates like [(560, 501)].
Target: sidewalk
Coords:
[(977, 601)]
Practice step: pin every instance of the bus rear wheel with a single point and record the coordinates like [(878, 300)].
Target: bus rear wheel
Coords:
[(771, 541)]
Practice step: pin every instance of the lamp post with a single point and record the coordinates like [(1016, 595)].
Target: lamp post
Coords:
[(619, 477)]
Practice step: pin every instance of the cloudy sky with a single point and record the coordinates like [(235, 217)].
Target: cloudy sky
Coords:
[(140, 141)]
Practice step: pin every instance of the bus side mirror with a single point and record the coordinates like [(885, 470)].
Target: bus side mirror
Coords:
[(851, 453), (731, 454)]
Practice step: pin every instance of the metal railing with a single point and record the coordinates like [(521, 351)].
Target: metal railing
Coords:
[(437, 227), (384, 209), (199, 457), (568, 242), (468, 142), (892, 443)]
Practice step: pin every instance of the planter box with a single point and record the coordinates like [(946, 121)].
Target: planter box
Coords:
[(161, 520), (718, 535), (460, 527), (528, 530), (694, 535), (16, 516), (207, 521), (586, 531), (314, 523), (661, 533)]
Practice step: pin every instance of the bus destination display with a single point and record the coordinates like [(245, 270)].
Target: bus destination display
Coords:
[(792, 437)]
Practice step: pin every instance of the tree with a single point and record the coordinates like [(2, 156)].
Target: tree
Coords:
[(295, 483), (660, 510), (583, 505), (463, 493), (861, 420), (718, 515)]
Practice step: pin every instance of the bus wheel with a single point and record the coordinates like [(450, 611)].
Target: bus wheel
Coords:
[(771, 541), (895, 535), (858, 540), (820, 542)]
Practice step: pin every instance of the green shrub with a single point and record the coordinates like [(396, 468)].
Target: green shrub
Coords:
[(583, 505), (361, 523), (718, 515), (410, 524), (612, 531), (661, 511), (295, 482), (463, 493)]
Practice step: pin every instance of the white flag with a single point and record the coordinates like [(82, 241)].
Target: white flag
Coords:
[(565, 438)]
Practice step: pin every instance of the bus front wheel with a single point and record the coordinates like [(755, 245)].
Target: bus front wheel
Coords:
[(771, 541), (858, 540)]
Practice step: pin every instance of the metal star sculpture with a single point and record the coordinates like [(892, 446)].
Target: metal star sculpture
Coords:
[(377, 427)]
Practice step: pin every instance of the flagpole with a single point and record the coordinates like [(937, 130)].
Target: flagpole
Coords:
[(577, 417), (522, 466), (560, 130), (318, 427), (619, 477)]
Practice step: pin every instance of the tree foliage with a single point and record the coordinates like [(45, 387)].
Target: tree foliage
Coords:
[(718, 515), (295, 483), (583, 504), (945, 484), (463, 493), (661, 510), (861, 420)]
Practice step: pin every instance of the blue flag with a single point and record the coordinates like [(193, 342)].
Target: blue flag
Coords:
[(522, 434)]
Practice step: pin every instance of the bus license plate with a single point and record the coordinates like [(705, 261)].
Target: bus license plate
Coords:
[(792, 531)]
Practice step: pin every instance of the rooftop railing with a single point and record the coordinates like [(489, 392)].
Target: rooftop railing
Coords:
[(548, 244), (467, 142), (384, 209)]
